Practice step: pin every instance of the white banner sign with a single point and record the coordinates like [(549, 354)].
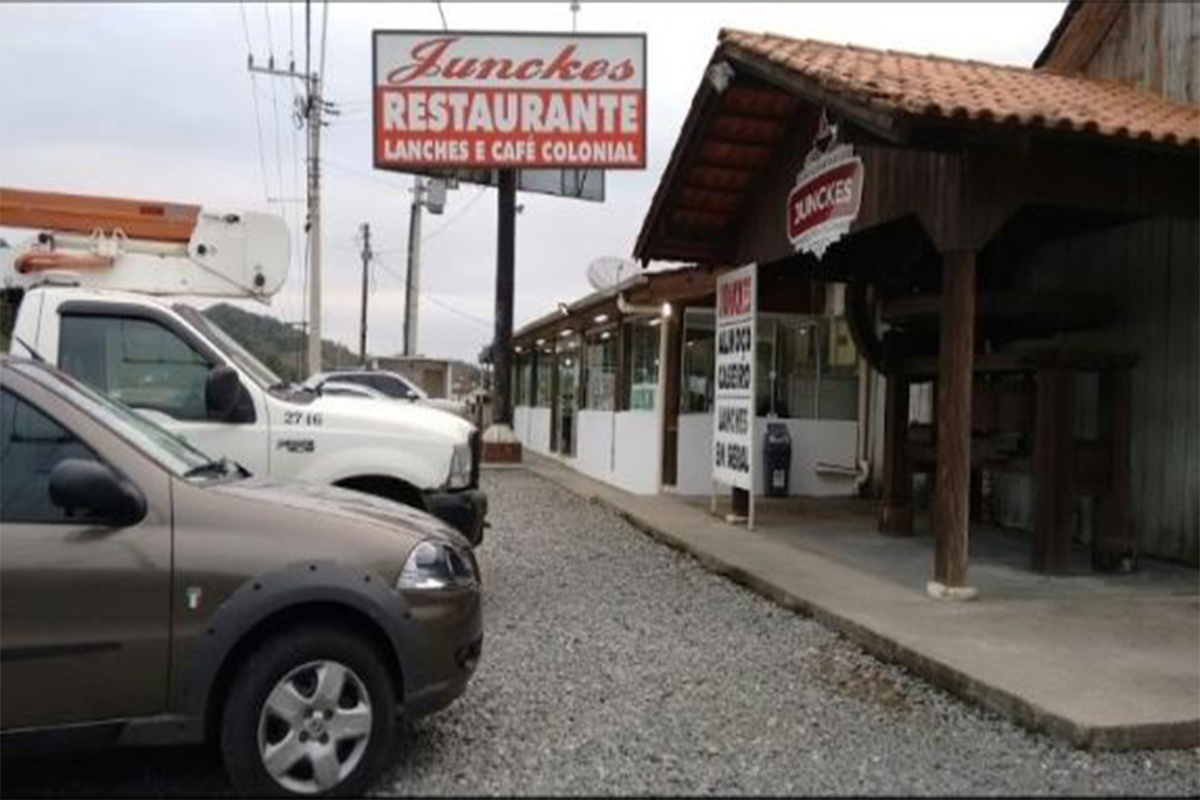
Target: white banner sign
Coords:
[(733, 399), (504, 100)]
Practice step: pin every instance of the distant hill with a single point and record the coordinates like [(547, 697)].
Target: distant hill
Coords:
[(276, 344)]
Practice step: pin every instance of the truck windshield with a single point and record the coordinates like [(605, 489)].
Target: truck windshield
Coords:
[(259, 372), (171, 451)]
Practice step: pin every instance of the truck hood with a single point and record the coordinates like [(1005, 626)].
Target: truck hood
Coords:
[(379, 416)]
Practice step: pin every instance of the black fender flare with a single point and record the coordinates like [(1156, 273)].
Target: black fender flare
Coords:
[(263, 597)]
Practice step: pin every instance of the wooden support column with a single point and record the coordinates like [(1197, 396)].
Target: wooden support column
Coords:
[(1052, 468), (895, 516), (956, 357)]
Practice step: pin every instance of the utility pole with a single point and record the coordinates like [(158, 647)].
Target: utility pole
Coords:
[(314, 106), (506, 238), (412, 279), (366, 259)]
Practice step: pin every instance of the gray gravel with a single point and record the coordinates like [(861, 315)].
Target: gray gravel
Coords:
[(613, 665)]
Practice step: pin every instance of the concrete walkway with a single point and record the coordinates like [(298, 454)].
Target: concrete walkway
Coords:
[(1104, 662)]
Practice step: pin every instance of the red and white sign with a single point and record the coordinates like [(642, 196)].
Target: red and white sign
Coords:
[(827, 195), (733, 395), (495, 100)]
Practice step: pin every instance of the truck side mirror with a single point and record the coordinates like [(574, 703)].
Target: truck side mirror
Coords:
[(225, 399), (78, 484)]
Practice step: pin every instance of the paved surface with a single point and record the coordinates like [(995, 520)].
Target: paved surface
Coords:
[(614, 665), (1101, 661)]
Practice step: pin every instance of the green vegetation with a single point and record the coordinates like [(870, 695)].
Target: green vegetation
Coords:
[(275, 343)]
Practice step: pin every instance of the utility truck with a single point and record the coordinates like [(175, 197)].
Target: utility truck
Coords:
[(103, 285)]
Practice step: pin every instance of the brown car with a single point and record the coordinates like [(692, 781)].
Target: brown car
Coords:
[(151, 595)]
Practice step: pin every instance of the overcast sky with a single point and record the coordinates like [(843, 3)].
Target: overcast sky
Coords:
[(154, 100)]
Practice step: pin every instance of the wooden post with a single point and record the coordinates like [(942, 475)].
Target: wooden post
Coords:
[(895, 516), (956, 358), (1052, 467)]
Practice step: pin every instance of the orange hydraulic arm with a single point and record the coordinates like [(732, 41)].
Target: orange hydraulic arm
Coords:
[(76, 213)]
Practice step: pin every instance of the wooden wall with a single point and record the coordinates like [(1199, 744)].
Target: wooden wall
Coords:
[(1156, 47), (1151, 269)]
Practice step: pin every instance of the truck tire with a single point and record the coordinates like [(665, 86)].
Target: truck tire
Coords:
[(311, 713)]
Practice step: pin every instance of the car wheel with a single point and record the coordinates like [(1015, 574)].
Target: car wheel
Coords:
[(312, 713)]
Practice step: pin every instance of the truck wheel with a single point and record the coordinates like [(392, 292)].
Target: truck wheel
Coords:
[(312, 713)]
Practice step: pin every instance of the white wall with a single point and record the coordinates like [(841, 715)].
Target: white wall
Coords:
[(532, 427), (693, 473), (813, 441), (593, 443), (639, 448)]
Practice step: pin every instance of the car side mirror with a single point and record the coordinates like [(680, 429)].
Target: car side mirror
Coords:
[(225, 399), (79, 484)]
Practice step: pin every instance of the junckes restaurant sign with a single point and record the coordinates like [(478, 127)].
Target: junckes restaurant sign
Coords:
[(827, 195), (491, 100)]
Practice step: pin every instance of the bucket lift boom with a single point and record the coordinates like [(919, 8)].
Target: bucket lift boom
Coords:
[(142, 246)]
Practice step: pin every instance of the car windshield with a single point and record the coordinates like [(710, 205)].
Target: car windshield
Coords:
[(171, 451), (259, 372)]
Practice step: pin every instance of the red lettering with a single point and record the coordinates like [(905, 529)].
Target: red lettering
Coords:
[(594, 70), (529, 68), (562, 65), (425, 57), (622, 71)]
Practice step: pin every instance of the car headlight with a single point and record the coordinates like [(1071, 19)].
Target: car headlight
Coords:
[(460, 467), (433, 566)]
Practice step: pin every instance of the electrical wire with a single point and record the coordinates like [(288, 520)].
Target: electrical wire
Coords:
[(487, 324), (262, 160), (442, 14), (274, 102)]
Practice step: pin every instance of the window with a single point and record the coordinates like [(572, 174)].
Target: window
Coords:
[(699, 361), (543, 375), (31, 446), (641, 356), (838, 397), (138, 362), (794, 392), (520, 379), (388, 384), (600, 371)]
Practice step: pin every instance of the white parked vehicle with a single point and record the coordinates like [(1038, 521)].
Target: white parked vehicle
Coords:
[(391, 384), (173, 364)]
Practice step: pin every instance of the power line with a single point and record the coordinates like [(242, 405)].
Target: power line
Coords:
[(262, 160), (442, 14), (426, 296)]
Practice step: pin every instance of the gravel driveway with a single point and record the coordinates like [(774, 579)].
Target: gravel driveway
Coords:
[(613, 665)]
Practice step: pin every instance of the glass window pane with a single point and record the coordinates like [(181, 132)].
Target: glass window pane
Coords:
[(641, 341), (839, 371), (696, 389), (600, 378), (137, 362), (31, 446)]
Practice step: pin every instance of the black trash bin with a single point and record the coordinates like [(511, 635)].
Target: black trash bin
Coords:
[(777, 459)]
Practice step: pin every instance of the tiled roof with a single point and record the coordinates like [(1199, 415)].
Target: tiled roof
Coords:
[(937, 87)]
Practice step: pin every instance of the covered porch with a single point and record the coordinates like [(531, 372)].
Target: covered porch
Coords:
[(993, 391)]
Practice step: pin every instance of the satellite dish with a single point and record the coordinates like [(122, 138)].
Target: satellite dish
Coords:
[(608, 271)]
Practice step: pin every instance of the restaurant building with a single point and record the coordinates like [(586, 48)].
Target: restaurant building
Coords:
[(1006, 332)]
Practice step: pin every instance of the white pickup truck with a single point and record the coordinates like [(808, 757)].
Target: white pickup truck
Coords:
[(170, 362)]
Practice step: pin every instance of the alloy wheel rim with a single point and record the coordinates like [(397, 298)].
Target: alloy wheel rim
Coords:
[(314, 727)]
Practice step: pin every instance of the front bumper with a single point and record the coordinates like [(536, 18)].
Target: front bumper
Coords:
[(444, 632), (465, 511)]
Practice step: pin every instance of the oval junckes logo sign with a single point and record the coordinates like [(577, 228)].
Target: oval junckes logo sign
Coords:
[(827, 195)]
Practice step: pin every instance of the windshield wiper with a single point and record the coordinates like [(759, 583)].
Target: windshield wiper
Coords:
[(221, 467)]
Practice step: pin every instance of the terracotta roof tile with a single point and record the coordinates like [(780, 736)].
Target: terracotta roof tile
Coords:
[(936, 86)]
